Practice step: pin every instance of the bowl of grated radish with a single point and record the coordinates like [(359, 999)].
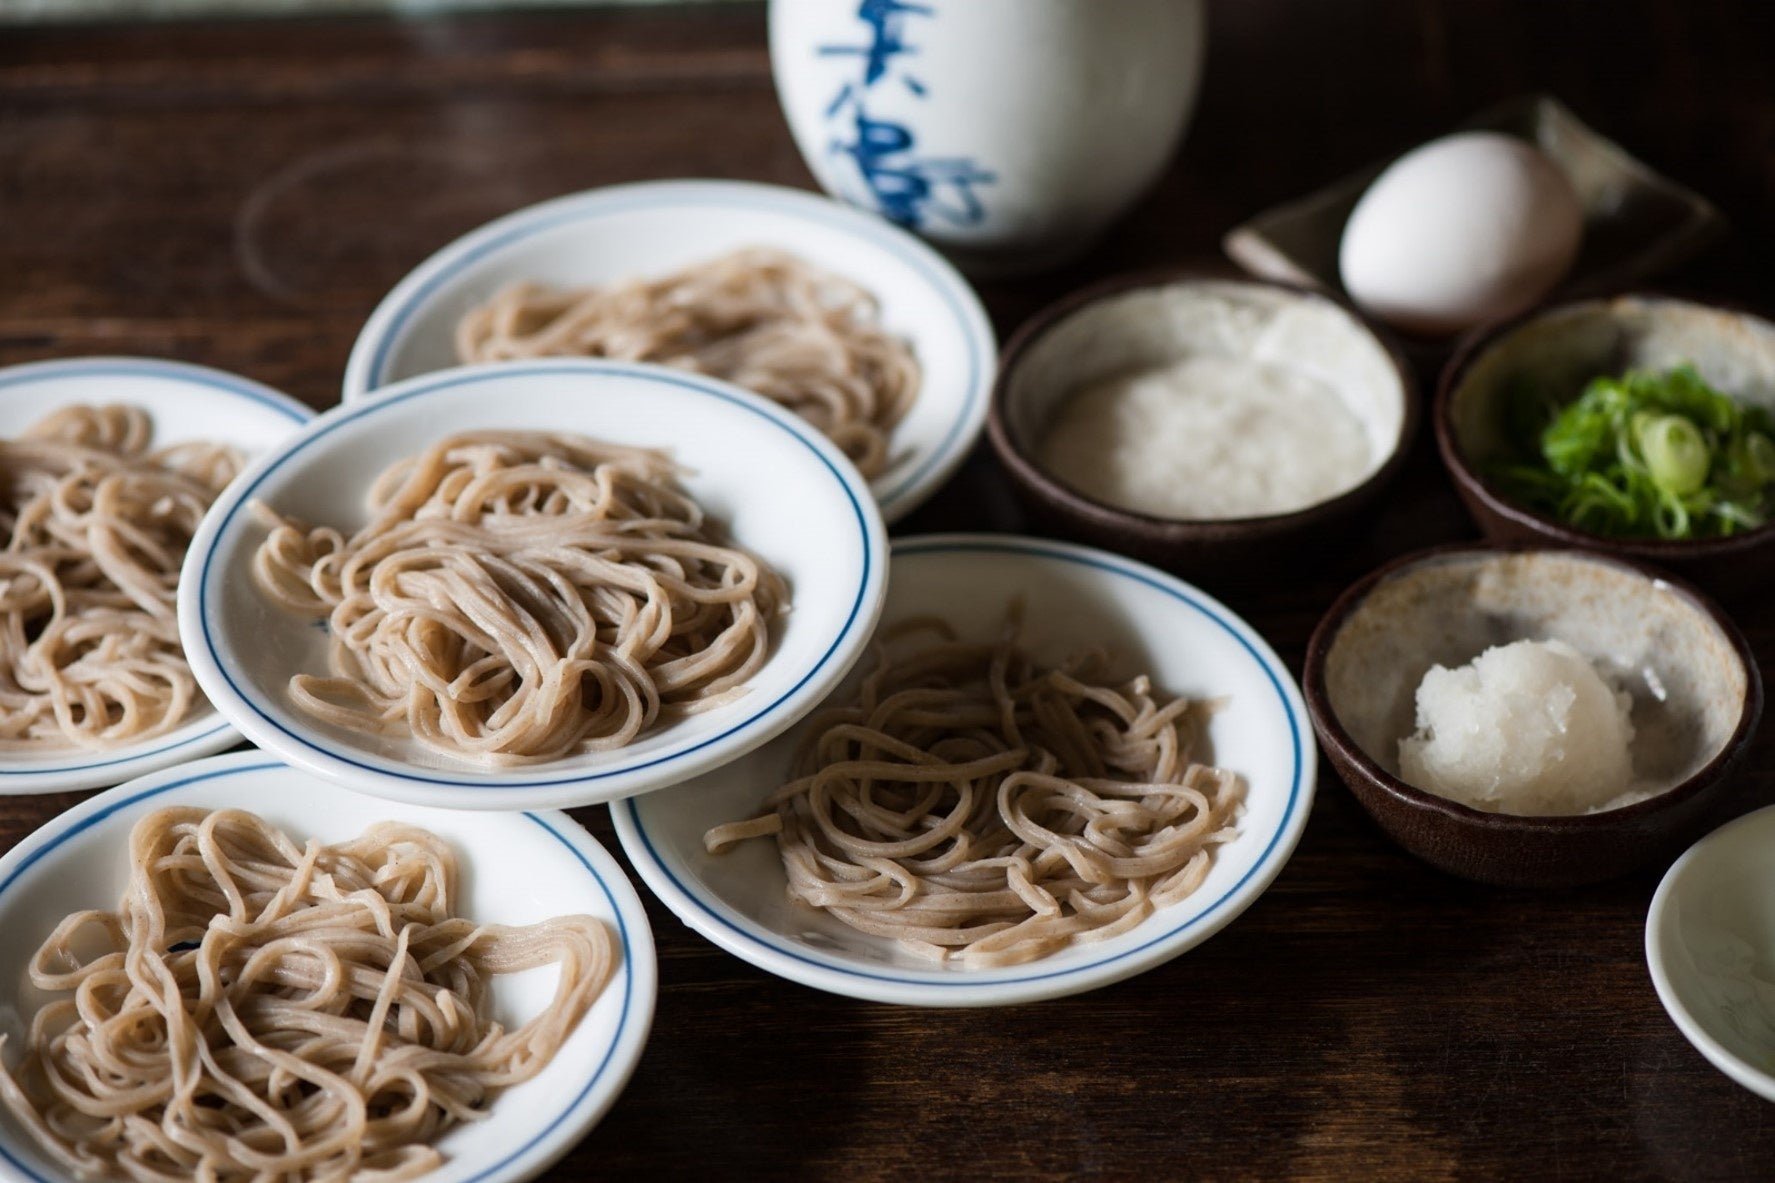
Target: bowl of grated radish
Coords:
[(1220, 428), (1532, 717)]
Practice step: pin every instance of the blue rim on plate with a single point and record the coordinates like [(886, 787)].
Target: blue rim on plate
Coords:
[(76, 772), (399, 781), (367, 369), (633, 1023), (1029, 982), (153, 367)]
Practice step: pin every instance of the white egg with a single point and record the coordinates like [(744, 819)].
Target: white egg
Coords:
[(1463, 230)]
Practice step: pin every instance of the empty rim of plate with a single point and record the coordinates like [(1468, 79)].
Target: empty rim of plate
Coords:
[(309, 748), (639, 979), (1658, 919), (81, 768), (1032, 981), (366, 369)]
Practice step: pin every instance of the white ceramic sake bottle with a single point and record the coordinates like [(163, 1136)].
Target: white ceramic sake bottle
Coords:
[(1009, 133)]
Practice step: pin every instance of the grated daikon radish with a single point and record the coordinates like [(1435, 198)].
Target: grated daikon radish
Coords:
[(1208, 438), (1525, 728)]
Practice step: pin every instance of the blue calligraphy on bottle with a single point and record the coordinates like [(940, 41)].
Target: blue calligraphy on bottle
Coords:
[(906, 188)]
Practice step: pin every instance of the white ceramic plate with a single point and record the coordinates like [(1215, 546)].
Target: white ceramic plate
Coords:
[(1710, 945), (781, 489), (187, 403), (517, 868), (630, 231), (1075, 597)]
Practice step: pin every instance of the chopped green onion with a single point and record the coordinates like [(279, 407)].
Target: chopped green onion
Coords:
[(1759, 456), (1646, 454), (1674, 450)]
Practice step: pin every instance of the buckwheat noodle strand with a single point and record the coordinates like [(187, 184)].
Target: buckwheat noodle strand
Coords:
[(96, 526), (759, 318), (520, 596), (975, 804), (258, 1010)]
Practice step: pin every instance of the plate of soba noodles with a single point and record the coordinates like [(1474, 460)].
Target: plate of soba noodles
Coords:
[(533, 585), (1054, 769), (235, 970), (106, 467), (848, 321)]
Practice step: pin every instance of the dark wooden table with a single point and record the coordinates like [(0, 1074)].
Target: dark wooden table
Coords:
[(241, 194)]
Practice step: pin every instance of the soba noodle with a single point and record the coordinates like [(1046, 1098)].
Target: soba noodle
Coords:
[(96, 527), (520, 596), (258, 1010), (975, 804), (759, 318)]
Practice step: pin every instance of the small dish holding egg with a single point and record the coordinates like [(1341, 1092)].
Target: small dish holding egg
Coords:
[(1421, 672), (1522, 202), (1206, 425), (1640, 425)]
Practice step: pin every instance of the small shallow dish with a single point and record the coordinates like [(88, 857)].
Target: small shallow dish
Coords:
[(1560, 350), (780, 489), (1636, 223), (186, 402), (1144, 321), (1074, 598), (1710, 946), (518, 868), (1696, 691), (644, 230)]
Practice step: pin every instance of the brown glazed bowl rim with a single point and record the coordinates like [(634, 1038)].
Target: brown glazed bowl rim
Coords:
[(1480, 341), (1164, 530), (1337, 739)]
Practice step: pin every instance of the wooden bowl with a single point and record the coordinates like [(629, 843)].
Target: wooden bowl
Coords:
[(1696, 691), (1138, 322), (1562, 349)]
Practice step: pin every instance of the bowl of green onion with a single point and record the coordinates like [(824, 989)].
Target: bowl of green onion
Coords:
[(1638, 425)]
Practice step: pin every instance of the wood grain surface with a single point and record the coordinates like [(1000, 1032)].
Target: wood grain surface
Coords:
[(241, 194)]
